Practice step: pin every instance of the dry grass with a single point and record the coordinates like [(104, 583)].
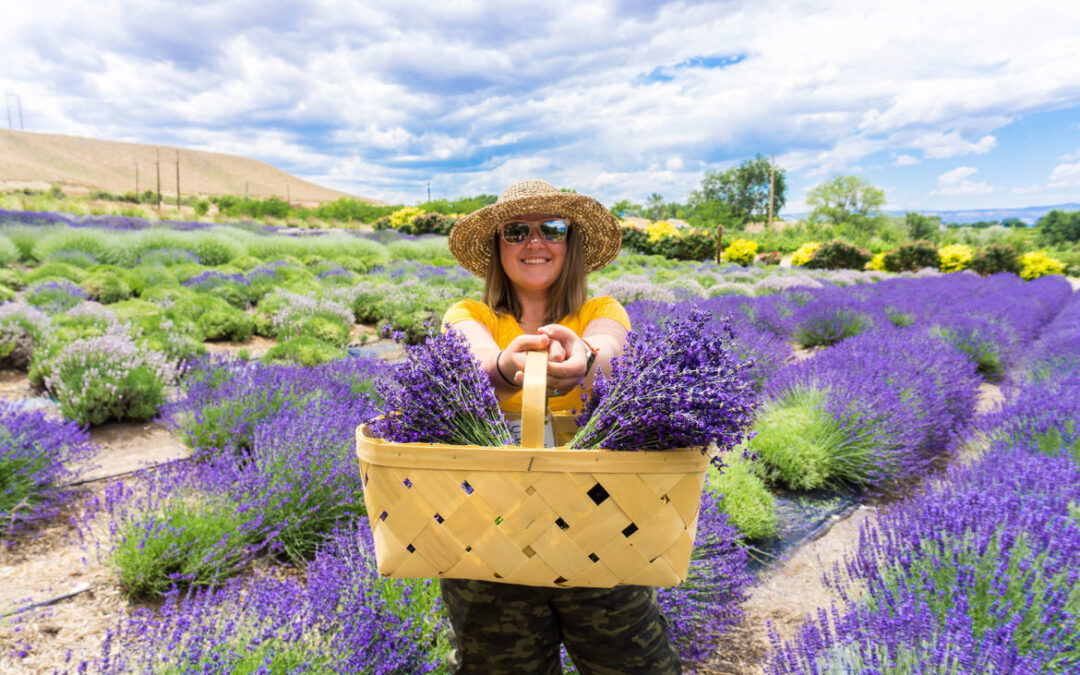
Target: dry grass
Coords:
[(39, 160)]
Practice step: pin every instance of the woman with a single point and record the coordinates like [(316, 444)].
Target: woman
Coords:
[(533, 248)]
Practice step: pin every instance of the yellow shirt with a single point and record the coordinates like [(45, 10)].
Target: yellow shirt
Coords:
[(505, 328)]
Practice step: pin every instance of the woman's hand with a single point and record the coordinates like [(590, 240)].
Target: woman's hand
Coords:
[(512, 361), (565, 373)]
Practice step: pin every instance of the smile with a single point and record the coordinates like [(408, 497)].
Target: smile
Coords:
[(536, 261)]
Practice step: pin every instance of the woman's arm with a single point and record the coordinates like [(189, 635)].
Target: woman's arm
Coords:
[(503, 366)]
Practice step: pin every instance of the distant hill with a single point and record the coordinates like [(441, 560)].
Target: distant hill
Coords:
[(40, 160), (1028, 214)]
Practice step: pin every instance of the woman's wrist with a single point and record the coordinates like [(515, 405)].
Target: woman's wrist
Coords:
[(590, 357), (498, 367)]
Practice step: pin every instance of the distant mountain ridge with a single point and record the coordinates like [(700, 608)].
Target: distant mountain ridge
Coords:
[(1028, 214), (38, 160)]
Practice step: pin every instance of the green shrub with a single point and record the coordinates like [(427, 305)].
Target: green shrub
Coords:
[(996, 257), (839, 255), (11, 278), (743, 496), (826, 328), (106, 288), (429, 223), (6, 294), (55, 270), (108, 378), (433, 251), (225, 323), (741, 251), (304, 350), (9, 252), (795, 441), (144, 277), (246, 263), (912, 256), (79, 259), (217, 248), (197, 542), (25, 238)]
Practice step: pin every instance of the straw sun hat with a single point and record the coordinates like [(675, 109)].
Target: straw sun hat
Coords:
[(472, 239)]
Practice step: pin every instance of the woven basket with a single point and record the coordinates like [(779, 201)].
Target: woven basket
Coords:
[(530, 515)]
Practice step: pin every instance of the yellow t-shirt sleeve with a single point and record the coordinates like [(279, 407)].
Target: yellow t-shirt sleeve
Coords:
[(606, 307), (468, 310)]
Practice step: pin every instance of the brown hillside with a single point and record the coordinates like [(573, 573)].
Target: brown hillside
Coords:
[(40, 160)]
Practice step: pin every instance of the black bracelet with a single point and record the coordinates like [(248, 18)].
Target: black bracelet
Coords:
[(499, 368)]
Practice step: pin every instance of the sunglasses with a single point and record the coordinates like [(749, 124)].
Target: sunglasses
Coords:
[(551, 230)]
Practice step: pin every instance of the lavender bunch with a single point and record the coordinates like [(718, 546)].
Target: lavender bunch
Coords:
[(679, 385), (440, 394)]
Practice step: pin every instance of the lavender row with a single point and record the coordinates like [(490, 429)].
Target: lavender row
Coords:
[(980, 574)]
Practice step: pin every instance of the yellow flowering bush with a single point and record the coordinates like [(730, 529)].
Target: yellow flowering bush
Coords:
[(661, 229), (955, 257), (877, 263), (803, 254), (404, 215), (1037, 263), (742, 251)]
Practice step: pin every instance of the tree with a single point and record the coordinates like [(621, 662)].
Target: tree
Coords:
[(1059, 227), (744, 189), (845, 199), (922, 227), (625, 208), (654, 207)]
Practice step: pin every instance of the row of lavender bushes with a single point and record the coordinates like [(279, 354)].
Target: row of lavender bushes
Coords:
[(981, 573)]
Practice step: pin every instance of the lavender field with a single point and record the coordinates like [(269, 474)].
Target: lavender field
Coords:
[(181, 495)]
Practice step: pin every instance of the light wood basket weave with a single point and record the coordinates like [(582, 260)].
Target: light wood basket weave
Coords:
[(530, 515)]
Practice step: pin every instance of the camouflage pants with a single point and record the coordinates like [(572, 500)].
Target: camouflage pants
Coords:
[(505, 628)]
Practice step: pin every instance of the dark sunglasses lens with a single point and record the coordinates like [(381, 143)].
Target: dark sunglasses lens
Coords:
[(515, 233), (554, 230)]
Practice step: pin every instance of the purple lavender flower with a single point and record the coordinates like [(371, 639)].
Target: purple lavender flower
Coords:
[(35, 453), (681, 385), (701, 608), (54, 296), (440, 394)]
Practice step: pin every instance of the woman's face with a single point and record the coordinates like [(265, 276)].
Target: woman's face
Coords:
[(536, 263)]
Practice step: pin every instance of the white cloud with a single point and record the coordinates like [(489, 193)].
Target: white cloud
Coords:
[(1065, 175), (382, 96), (1069, 156), (1029, 189), (944, 145), (958, 182)]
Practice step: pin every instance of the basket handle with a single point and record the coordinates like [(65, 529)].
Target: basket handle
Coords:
[(534, 399)]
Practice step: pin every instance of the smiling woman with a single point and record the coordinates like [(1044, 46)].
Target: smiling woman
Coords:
[(533, 248)]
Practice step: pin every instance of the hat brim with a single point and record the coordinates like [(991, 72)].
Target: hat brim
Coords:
[(472, 239)]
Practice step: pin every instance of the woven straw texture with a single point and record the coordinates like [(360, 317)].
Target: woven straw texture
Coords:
[(473, 237), (532, 516)]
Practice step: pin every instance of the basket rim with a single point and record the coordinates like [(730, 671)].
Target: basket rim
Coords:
[(374, 450)]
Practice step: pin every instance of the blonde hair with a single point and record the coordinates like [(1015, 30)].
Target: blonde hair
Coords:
[(565, 297)]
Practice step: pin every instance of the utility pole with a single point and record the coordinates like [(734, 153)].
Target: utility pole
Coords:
[(429, 191), (178, 181), (136, 179), (772, 171), (719, 243), (245, 189), (7, 104), (18, 106), (288, 198), (157, 165)]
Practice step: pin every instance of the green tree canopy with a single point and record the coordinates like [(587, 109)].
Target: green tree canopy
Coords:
[(922, 227), (744, 190), (1059, 227), (845, 198)]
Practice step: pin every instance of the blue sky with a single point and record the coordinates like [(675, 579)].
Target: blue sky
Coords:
[(945, 105)]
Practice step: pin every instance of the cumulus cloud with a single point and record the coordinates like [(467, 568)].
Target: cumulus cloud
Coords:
[(1065, 175), (380, 97), (958, 182)]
